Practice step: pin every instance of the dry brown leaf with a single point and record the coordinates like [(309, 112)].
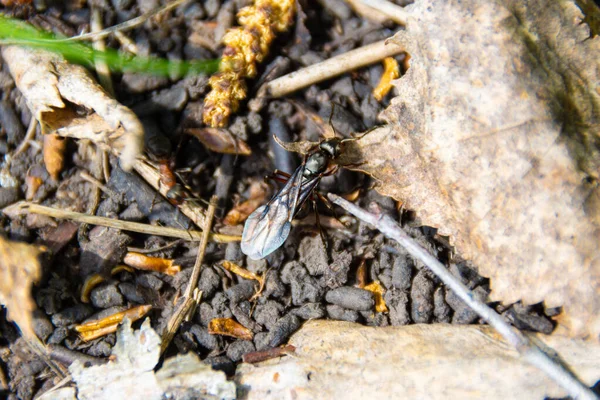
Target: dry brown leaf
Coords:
[(57, 93), (94, 329), (494, 139), (220, 141), (19, 270), (411, 362)]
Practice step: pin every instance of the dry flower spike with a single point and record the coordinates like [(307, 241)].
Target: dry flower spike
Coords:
[(244, 48)]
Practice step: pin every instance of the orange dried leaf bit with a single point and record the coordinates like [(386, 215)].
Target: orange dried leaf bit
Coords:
[(391, 71), (378, 292), (90, 283), (54, 154), (143, 262), (229, 327), (245, 46), (361, 274), (238, 214), (95, 329)]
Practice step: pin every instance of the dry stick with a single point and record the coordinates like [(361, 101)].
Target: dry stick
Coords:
[(151, 175), (127, 25), (391, 10), (189, 300), (528, 350), (332, 67), (28, 137), (24, 207)]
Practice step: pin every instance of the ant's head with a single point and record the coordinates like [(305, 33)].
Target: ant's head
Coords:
[(332, 147)]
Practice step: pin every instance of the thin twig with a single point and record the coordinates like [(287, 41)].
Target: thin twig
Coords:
[(210, 215), (27, 139), (24, 207), (127, 25), (87, 177), (391, 10), (161, 248), (189, 300), (151, 175), (332, 67), (528, 350)]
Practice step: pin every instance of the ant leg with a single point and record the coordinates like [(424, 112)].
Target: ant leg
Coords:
[(328, 204), (278, 176), (321, 232)]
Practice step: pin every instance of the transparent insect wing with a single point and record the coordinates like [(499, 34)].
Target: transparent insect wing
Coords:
[(269, 226)]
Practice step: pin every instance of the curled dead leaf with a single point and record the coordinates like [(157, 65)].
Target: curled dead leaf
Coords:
[(229, 327), (19, 270), (301, 147), (220, 141), (57, 93)]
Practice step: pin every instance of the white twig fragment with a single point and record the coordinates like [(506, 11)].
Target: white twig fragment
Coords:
[(391, 10), (332, 67), (528, 350)]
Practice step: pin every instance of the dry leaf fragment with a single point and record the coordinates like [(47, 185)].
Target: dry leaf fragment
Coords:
[(19, 270), (54, 88), (95, 329), (421, 362), (220, 141), (229, 327), (378, 292), (391, 71), (90, 283), (238, 214), (495, 143), (244, 273), (147, 263)]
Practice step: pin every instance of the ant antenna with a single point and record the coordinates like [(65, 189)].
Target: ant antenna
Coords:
[(330, 117)]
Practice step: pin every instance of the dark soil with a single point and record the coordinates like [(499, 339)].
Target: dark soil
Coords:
[(304, 279)]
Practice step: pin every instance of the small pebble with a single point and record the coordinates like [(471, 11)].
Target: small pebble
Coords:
[(401, 273), (441, 309), (221, 363), (105, 296), (341, 314), (242, 291), (149, 281), (351, 298), (9, 195), (131, 292), (283, 329), (421, 296), (310, 311), (397, 302), (463, 314), (42, 325), (209, 282), (58, 335), (237, 349), (204, 339), (268, 313), (72, 315)]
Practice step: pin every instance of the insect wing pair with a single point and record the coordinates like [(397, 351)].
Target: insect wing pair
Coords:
[(269, 226)]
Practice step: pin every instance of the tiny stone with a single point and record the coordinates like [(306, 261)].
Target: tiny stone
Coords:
[(100, 349), (105, 296), (341, 314), (268, 313), (72, 315), (292, 271), (261, 340), (530, 322), (463, 314), (42, 325), (273, 286), (233, 253), (206, 314), (351, 298), (421, 295), (257, 266), (336, 274), (237, 349), (401, 273), (58, 335), (131, 293), (310, 311), (221, 363), (220, 305), (312, 255), (307, 290), (397, 302), (9, 195), (242, 291), (441, 309), (209, 282), (149, 281), (283, 329), (204, 339), (254, 122)]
